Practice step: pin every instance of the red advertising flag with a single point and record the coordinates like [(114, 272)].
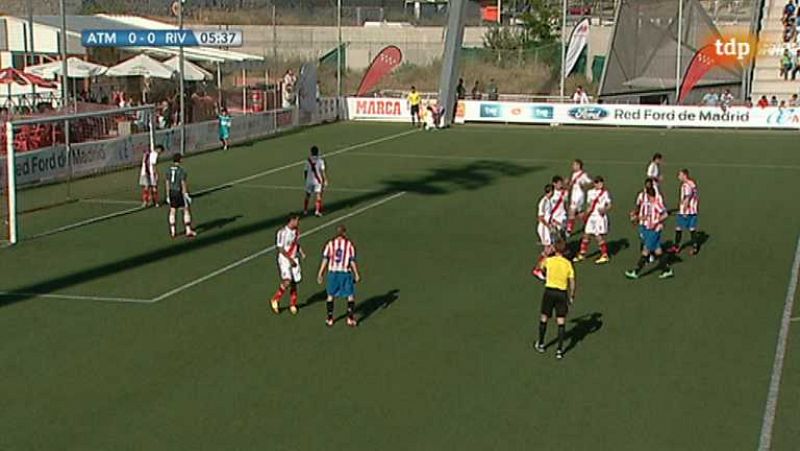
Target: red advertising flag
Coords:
[(701, 63), (388, 58)]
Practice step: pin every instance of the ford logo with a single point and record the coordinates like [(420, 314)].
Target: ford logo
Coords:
[(588, 113)]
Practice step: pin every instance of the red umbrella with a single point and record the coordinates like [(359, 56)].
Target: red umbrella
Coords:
[(14, 76)]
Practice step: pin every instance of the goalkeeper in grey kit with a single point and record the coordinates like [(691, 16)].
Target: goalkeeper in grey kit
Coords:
[(178, 197)]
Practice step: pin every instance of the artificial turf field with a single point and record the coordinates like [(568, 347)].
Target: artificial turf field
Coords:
[(119, 338)]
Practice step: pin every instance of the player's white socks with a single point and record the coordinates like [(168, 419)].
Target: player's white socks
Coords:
[(172, 222), (187, 221)]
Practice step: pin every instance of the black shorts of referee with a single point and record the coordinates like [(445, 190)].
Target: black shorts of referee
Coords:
[(555, 300)]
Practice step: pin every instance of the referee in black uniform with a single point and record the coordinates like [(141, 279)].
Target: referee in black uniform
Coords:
[(559, 292)]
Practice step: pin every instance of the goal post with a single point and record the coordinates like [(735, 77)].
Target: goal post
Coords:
[(48, 161)]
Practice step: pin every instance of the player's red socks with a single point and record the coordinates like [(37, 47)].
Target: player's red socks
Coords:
[(145, 195), (293, 296), (155, 195), (570, 225), (318, 205), (604, 248), (584, 245), (279, 294)]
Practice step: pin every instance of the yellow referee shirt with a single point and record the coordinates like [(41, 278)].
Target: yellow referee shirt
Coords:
[(559, 271), (414, 98)]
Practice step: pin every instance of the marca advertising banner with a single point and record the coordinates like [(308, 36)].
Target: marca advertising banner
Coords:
[(384, 109), (628, 115)]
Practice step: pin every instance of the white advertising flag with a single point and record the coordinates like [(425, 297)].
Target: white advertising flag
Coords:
[(577, 42)]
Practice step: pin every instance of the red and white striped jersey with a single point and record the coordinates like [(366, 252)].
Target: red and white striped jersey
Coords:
[(650, 212), (559, 207), (339, 253), (689, 198), (315, 167), (643, 195), (577, 181), (598, 199), (149, 161), (288, 239), (545, 209)]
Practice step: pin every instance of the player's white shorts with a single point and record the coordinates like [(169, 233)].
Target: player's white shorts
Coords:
[(287, 271), (313, 188), (597, 225), (545, 237), (576, 202), (148, 180)]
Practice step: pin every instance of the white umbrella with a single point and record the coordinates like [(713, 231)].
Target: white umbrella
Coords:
[(191, 72), (140, 66), (76, 68)]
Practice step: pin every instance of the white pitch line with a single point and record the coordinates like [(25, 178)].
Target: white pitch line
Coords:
[(302, 162), (77, 297), (768, 422), (795, 319), (87, 222), (300, 188), (267, 250), (565, 161), (110, 201)]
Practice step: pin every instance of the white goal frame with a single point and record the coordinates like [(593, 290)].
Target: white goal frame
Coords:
[(12, 223)]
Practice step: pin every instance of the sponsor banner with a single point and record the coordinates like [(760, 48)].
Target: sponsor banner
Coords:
[(384, 109), (628, 115), (52, 164)]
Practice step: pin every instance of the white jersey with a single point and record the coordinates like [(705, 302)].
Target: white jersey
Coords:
[(148, 174), (559, 208), (288, 240), (315, 169), (654, 171), (545, 211), (577, 181), (599, 200)]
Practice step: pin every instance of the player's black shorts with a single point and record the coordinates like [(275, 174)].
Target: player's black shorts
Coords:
[(176, 199), (415, 110), (557, 300)]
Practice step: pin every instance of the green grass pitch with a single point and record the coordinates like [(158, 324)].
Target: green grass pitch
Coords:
[(115, 337)]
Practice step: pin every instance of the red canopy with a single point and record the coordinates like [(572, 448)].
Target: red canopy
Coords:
[(13, 76)]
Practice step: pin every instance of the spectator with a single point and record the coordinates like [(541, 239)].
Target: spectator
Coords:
[(580, 96), (461, 91), (710, 99), (773, 101), (794, 101), (786, 64), (493, 95), (748, 102), (795, 64), (763, 102), (782, 105), (726, 99), (476, 91), (789, 12)]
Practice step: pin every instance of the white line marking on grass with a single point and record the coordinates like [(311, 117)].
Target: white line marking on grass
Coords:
[(76, 297), (566, 161), (300, 188), (110, 201), (269, 249), (224, 185), (765, 441), (93, 220), (302, 162)]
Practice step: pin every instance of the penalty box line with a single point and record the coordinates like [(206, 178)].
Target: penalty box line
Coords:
[(269, 249), (771, 407), (238, 181)]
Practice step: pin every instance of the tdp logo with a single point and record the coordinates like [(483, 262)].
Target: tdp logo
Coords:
[(732, 47)]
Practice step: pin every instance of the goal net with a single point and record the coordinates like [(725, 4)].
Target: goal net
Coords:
[(51, 161)]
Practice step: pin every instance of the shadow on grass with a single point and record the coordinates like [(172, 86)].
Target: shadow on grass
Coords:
[(438, 181), (365, 309), (582, 327), (216, 223)]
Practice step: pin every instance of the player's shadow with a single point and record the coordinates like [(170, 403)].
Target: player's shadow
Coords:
[(582, 327), (315, 298), (614, 247), (216, 223), (365, 309), (438, 181)]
